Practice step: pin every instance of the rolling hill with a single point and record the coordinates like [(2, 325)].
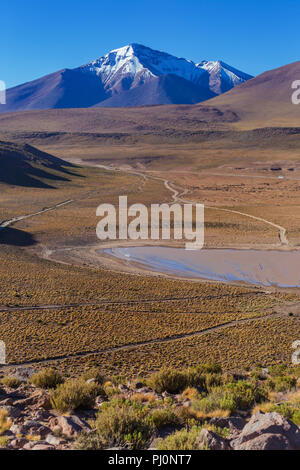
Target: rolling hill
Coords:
[(265, 100), (24, 165)]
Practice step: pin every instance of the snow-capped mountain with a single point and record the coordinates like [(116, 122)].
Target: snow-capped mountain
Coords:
[(133, 75), (222, 77), (141, 63)]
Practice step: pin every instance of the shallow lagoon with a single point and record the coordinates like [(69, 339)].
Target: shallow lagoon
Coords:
[(258, 267)]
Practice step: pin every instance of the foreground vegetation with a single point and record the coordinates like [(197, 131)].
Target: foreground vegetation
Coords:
[(171, 409)]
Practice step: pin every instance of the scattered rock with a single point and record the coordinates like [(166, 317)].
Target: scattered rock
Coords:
[(212, 441), (12, 411), (18, 443), (29, 445), (268, 424), (234, 424), (6, 402), (91, 381), (38, 400), (69, 426), (24, 373), (187, 403), (144, 390), (99, 401), (43, 447), (53, 440), (266, 442), (17, 429)]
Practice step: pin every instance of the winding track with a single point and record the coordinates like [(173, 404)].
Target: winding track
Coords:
[(282, 231), (124, 302), (129, 346), (176, 196), (7, 223)]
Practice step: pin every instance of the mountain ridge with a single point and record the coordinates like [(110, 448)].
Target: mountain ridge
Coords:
[(148, 76)]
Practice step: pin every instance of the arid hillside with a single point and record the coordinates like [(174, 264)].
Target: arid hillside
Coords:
[(264, 101), (24, 165)]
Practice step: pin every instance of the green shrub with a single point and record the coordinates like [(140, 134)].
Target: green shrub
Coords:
[(181, 440), (213, 380), (196, 378), (282, 383), (187, 416), (88, 441), (232, 397), (94, 373), (289, 410), (222, 432), (164, 418), (5, 421), (121, 424), (210, 368), (203, 376), (47, 378), (278, 370), (296, 417), (169, 380), (4, 441), (74, 394), (244, 394), (11, 382)]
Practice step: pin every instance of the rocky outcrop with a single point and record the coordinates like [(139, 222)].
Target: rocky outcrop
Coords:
[(210, 440), (269, 431), (69, 426)]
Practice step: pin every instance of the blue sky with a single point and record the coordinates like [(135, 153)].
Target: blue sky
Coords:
[(39, 37)]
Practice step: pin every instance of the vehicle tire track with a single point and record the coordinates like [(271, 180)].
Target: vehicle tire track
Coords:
[(124, 302), (7, 223), (177, 197), (139, 344)]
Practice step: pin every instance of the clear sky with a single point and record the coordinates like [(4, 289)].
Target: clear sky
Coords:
[(41, 36)]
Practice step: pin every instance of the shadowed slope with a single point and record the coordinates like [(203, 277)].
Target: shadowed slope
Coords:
[(167, 89), (24, 165), (63, 89)]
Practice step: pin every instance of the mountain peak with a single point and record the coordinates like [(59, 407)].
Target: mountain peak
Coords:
[(131, 75), (222, 77)]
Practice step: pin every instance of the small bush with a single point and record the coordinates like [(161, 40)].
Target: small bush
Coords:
[(110, 390), (11, 382), (143, 397), (195, 378), (74, 394), (231, 397), (187, 416), (278, 370), (164, 418), (181, 440), (289, 410), (93, 373), (5, 421), (212, 380), (191, 393), (4, 441), (120, 424), (90, 441), (47, 378), (210, 368), (282, 383), (169, 380)]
